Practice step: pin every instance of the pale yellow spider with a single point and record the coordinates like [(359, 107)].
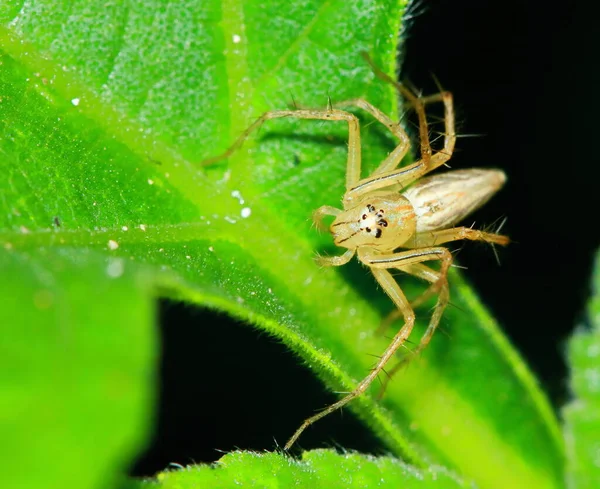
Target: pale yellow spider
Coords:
[(395, 208)]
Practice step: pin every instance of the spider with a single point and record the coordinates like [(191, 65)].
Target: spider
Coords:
[(396, 218)]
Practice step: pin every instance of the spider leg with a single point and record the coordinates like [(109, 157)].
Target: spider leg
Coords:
[(386, 280), (434, 238), (330, 261), (407, 175), (399, 152), (321, 212), (408, 258), (378, 263), (335, 261), (413, 100), (353, 164), (425, 273), (420, 271), (410, 261)]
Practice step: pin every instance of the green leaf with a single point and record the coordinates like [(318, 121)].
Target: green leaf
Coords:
[(106, 110), (582, 415), (76, 374), (317, 469)]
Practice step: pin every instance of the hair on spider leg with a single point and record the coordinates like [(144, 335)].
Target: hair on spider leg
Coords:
[(388, 378), (336, 392), (408, 341), (293, 105), (329, 103), (434, 120), (455, 252), (437, 82), (438, 136), (369, 124), (465, 135), (457, 307), (409, 85), (371, 369), (492, 228), (374, 355), (321, 260)]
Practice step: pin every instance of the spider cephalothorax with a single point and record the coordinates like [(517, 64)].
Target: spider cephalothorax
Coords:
[(368, 223)]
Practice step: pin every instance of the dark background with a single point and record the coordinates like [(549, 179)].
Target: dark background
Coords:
[(523, 77)]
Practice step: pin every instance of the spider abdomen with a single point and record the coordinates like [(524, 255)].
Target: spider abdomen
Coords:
[(442, 200)]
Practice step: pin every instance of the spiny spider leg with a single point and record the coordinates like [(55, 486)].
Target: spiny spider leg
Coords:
[(386, 280), (424, 272), (408, 174), (378, 263), (399, 152), (321, 212), (353, 165), (435, 238), (413, 101)]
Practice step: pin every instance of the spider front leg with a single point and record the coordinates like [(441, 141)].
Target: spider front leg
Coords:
[(399, 152), (354, 148), (386, 177)]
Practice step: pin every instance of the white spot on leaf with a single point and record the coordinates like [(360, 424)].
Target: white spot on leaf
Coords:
[(115, 267), (237, 195)]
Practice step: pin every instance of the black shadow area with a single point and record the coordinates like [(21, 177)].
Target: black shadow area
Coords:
[(225, 385), (523, 80)]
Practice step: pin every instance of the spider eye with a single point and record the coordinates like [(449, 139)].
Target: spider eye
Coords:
[(364, 216), (382, 222), (368, 230), (378, 233)]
